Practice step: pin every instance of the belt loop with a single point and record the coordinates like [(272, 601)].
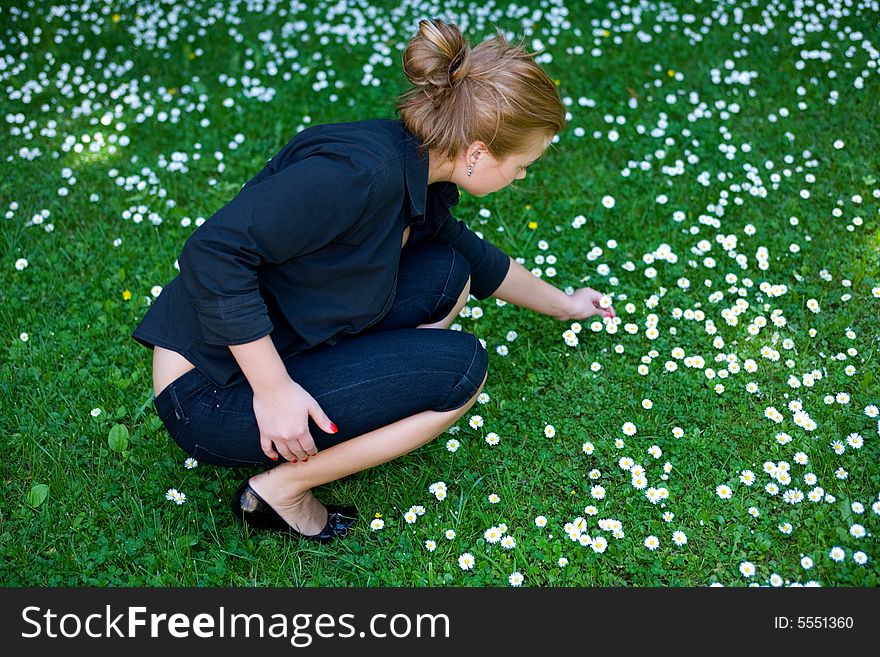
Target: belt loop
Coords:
[(178, 409)]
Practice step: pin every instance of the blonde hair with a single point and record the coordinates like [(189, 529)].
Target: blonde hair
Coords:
[(494, 92)]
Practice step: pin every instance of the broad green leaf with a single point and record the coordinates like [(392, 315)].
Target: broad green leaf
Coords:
[(118, 438), (37, 495)]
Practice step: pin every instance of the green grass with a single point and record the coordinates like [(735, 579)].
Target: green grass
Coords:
[(105, 520)]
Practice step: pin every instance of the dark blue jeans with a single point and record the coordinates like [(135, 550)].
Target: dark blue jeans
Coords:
[(387, 373)]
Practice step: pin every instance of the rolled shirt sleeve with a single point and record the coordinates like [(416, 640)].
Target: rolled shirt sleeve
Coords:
[(295, 211)]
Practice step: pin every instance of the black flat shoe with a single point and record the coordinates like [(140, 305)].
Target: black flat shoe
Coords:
[(253, 510)]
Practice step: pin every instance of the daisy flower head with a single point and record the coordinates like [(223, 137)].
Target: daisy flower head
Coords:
[(95, 412), (747, 477), (747, 568), (629, 428), (786, 528), (438, 489), (857, 531), (452, 445), (410, 517), (476, 422), (493, 498), (588, 448), (806, 563), (655, 451), (549, 431), (677, 432), (599, 544), (668, 516), (639, 481), (466, 561), (647, 404), (724, 491), (377, 524), (597, 492), (860, 558), (872, 411), (679, 538), (508, 542), (516, 579), (563, 562), (540, 521), (430, 545), (190, 463), (492, 535), (492, 439), (652, 543), (591, 510), (855, 440), (449, 534), (837, 554)]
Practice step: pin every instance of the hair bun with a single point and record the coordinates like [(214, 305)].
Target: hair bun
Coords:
[(438, 55)]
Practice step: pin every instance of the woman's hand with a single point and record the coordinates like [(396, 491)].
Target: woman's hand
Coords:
[(585, 303), (283, 417)]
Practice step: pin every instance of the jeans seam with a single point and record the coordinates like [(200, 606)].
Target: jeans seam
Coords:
[(387, 376), (443, 294)]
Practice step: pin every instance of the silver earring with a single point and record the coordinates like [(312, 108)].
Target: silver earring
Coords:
[(470, 169)]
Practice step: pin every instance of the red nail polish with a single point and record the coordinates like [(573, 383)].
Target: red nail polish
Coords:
[(274, 458), (333, 428)]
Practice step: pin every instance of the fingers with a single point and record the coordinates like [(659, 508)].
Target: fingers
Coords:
[(268, 448), (323, 423), (284, 448)]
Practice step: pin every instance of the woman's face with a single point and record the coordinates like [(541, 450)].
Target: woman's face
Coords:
[(490, 175)]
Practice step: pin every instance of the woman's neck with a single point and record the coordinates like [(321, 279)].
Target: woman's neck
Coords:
[(439, 168)]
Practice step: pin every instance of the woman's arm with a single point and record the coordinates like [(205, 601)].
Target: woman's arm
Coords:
[(522, 288)]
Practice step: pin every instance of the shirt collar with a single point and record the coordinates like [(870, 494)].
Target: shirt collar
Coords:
[(416, 172)]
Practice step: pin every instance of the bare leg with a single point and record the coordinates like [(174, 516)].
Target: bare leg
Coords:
[(288, 487)]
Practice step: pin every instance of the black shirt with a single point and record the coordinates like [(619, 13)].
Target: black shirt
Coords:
[(308, 250)]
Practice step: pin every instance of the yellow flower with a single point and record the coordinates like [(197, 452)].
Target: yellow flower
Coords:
[(533, 225), (670, 73), (116, 18), (172, 91), (557, 82), (605, 33), (378, 515), (126, 295)]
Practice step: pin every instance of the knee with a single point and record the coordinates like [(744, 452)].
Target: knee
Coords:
[(473, 365)]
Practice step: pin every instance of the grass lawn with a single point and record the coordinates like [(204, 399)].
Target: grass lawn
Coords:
[(719, 178)]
